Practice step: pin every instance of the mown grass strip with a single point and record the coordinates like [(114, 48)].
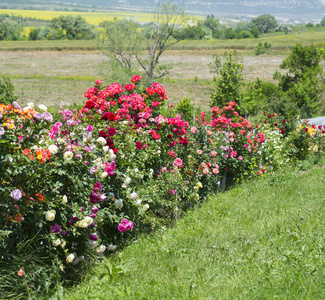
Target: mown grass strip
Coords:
[(279, 42), (261, 240)]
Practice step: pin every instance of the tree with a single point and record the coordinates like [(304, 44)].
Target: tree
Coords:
[(192, 33), (229, 33), (229, 69), (122, 42), (126, 43), (303, 81), (212, 23), (264, 23), (164, 33), (7, 95), (244, 34), (322, 23), (74, 27), (10, 32)]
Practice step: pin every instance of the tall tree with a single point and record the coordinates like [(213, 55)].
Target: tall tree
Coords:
[(122, 41), (164, 33), (303, 81), (229, 68), (264, 23)]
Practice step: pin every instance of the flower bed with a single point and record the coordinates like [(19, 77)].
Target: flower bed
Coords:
[(81, 183)]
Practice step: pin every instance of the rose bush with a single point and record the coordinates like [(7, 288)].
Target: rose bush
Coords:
[(78, 184)]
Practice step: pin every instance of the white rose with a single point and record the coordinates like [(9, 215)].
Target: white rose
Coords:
[(56, 242), (111, 247), (100, 249), (105, 149), (98, 162), (60, 140), (127, 181), (92, 244), (101, 141), (68, 155), (42, 107), (50, 215), (145, 207), (119, 203), (139, 202), (75, 261), (70, 258), (88, 220), (64, 199), (134, 195), (92, 148), (53, 149), (103, 175)]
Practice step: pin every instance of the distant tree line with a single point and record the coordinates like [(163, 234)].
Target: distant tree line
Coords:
[(212, 28), (75, 27), (63, 27)]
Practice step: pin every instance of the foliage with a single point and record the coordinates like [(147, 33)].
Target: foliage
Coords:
[(164, 33), (262, 48), (229, 69), (264, 23), (121, 42), (10, 32), (7, 95), (252, 98), (303, 80), (185, 108), (244, 34)]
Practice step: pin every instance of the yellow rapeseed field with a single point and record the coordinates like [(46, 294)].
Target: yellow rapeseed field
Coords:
[(91, 17)]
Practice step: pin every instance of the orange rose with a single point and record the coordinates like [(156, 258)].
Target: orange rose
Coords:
[(26, 151)]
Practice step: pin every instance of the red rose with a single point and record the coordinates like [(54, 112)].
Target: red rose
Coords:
[(111, 131), (108, 116), (90, 104), (138, 145)]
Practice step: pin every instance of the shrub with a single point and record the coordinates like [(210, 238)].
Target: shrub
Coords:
[(262, 48), (7, 95), (88, 181)]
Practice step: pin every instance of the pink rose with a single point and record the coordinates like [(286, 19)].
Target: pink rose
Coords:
[(121, 228)]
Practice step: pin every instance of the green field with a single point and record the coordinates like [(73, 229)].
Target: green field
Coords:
[(279, 42)]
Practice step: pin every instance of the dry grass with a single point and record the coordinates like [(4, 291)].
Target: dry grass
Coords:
[(62, 77)]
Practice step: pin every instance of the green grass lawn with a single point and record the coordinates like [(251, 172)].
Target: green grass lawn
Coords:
[(261, 240)]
